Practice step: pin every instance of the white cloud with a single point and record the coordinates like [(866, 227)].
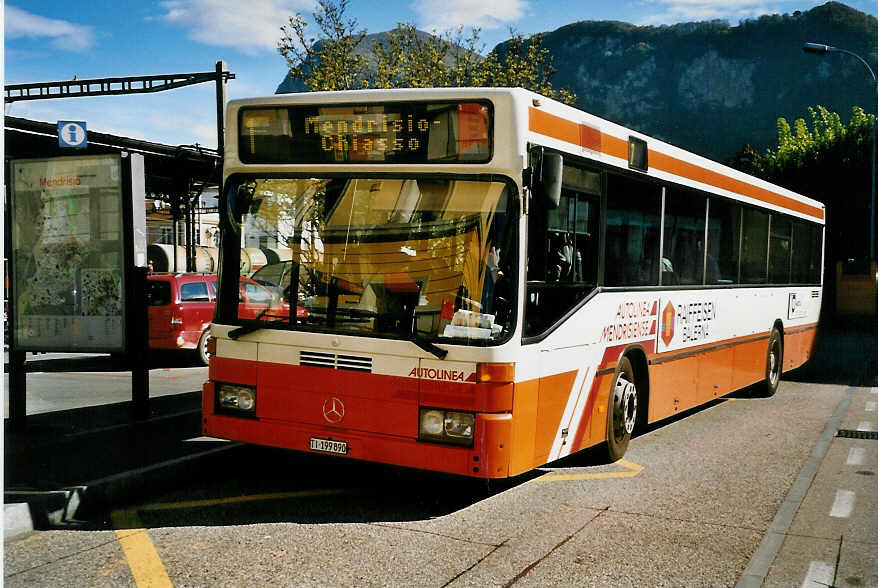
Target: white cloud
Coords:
[(485, 14), (64, 35), (251, 26)]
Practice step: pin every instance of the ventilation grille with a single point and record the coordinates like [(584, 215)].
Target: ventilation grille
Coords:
[(317, 359), (334, 361), (815, 293), (851, 434)]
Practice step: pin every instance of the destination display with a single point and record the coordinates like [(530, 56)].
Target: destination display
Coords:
[(398, 132)]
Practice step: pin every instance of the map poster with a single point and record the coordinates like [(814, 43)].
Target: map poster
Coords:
[(68, 260)]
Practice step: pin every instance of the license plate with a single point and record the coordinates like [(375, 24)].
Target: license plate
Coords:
[(329, 446)]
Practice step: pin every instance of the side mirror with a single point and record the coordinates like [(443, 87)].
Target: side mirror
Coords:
[(548, 186), (244, 199), (237, 203)]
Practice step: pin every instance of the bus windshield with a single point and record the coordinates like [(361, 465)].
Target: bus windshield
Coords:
[(423, 259)]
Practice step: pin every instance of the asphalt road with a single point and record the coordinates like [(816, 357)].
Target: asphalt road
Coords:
[(696, 502)]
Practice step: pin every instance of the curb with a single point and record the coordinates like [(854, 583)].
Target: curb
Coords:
[(17, 521)]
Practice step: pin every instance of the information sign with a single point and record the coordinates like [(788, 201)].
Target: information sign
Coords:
[(72, 133), (68, 267)]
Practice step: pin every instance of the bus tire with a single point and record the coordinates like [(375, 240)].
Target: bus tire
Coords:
[(621, 410), (773, 363), (203, 355)]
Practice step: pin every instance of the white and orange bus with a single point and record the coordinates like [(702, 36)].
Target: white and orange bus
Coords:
[(493, 280)]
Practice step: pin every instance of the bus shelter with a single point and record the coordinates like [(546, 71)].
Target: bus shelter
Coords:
[(174, 175)]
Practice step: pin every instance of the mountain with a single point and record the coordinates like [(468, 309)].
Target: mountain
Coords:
[(709, 87)]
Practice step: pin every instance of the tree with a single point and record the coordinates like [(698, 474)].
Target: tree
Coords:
[(829, 161), (412, 59), (527, 64), (341, 58), (332, 63), (827, 139)]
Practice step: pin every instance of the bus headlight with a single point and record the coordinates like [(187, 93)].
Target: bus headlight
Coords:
[(432, 422), (446, 426), (231, 397), (460, 425)]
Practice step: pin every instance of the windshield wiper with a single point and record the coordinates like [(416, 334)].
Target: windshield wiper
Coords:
[(430, 347), (249, 328)]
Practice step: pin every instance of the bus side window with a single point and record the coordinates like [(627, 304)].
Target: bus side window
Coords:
[(779, 249), (683, 252), (633, 223), (806, 253), (723, 242), (754, 247)]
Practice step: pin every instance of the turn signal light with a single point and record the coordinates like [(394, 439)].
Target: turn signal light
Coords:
[(496, 373)]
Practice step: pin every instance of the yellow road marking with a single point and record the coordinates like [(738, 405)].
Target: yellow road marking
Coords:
[(631, 470), (143, 560), (236, 499)]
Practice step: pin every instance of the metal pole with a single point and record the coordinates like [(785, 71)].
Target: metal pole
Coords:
[(138, 351), (220, 109), (872, 207), (17, 390), (17, 358), (175, 212)]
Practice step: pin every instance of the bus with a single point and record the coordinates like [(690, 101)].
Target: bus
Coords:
[(493, 280)]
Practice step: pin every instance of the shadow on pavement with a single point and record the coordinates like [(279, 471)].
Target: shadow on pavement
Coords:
[(846, 353), (258, 485)]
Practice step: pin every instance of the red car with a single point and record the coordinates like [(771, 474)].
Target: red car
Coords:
[(181, 306)]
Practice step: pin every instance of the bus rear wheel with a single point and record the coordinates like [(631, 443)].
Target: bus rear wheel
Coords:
[(773, 363), (621, 410)]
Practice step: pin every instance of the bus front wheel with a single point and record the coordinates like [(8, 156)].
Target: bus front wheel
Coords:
[(621, 410)]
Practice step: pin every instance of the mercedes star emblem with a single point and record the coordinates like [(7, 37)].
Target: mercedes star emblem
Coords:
[(333, 410)]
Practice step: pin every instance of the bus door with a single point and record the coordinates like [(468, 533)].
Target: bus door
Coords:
[(562, 272)]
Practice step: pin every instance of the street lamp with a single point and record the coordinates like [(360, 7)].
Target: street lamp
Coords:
[(822, 49)]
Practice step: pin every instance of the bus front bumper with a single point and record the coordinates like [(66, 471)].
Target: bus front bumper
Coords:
[(487, 458)]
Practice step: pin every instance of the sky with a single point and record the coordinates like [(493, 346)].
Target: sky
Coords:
[(53, 40)]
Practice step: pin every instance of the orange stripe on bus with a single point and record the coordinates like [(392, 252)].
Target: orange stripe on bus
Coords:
[(678, 167), (553, 126), (588, 137), (615, 147)]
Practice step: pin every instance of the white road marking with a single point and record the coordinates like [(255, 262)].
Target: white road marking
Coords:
[(871, 405), (843, 505), (856, 456), (865, 426), (875, 390), (819, 575)]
